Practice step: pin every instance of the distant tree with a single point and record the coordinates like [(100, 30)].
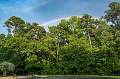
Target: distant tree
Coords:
[(113, 14), (6, 67), (14, 23)]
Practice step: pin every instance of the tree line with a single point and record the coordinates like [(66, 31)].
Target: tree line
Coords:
[(78, 46)]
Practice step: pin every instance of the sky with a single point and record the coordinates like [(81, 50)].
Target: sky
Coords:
[(46, 12)]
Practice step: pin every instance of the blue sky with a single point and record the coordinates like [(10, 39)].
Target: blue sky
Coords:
[(46, 11)]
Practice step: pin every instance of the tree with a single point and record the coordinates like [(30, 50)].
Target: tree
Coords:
[(6, 67), (113, 14), (35, 31), (14, 23)]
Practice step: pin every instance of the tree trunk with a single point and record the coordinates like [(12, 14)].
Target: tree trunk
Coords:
[(4, 73), (90, 40), (57, 53)]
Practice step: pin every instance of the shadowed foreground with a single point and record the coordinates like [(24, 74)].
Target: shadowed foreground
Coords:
[(61, 77)]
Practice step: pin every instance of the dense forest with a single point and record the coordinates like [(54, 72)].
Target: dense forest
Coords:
[(76, 46)]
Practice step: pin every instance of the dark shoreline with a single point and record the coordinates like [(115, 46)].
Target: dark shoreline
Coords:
[(67, 77)]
